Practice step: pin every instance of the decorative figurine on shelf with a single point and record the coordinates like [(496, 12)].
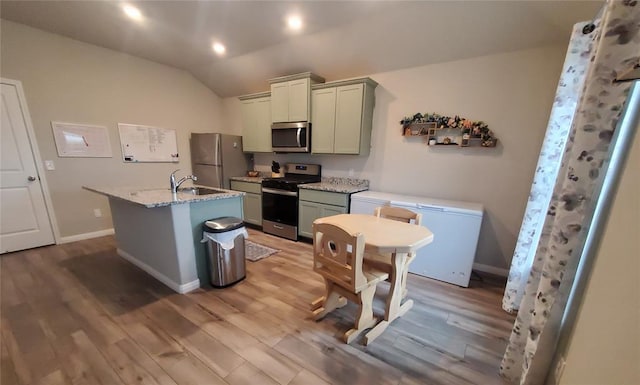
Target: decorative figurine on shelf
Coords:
[(446, 140), (415, 130)]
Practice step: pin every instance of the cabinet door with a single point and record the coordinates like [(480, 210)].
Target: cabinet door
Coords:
[(256, 122), (309, 212), (249, 138), (252, 205), (279, 102), (323, 113), (262, 114), (299, 100), (327, 211), (348, 119)]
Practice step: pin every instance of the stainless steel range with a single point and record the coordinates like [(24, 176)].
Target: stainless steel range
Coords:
[(280, 199)]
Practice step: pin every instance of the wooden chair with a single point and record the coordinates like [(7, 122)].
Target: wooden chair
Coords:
[(337, 257), (383, 262)]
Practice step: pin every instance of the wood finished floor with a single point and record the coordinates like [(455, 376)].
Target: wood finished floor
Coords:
[(79, 314)]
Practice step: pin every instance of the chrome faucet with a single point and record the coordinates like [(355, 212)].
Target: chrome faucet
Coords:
[(175, 185)]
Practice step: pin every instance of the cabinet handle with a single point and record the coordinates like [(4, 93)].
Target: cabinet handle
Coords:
[(31, 178)]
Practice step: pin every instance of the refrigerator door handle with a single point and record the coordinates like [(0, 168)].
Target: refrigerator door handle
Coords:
[(219, 161)]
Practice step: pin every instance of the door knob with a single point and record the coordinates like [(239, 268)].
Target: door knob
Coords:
[(31, 178)]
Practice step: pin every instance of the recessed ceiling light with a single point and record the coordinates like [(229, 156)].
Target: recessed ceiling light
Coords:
[(294, 22), (132, 12), (219, 48)]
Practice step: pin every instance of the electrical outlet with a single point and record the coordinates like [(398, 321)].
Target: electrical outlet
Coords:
[(48, 164), (97, 213), (351, 172)]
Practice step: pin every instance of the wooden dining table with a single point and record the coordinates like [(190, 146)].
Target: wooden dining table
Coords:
[(386, 236)]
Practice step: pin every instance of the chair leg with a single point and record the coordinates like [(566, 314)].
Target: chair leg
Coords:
[(365, 318), (319, 302), (332, 301)]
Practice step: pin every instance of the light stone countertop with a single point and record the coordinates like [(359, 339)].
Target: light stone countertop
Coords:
[(248, 179), (339, 185), (158, 197)]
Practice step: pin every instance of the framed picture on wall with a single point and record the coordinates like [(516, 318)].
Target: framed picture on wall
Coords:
[(81, 140)]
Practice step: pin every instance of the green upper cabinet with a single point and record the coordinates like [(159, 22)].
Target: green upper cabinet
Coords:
[(342, 116), (280, 105), (290, 97), (256, 122), (324, 120)]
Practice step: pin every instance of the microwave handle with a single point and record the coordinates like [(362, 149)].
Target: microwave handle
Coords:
[(298, 136)]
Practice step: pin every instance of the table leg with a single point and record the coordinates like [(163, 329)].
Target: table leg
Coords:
[(393, 309), (405, 273), (395, 291)]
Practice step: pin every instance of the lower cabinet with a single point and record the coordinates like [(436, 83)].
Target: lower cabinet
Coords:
[(314, 204), (251, 202)]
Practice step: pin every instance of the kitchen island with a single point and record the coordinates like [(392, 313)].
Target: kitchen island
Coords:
[(160, 231)]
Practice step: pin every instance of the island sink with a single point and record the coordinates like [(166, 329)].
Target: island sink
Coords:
[(200, 191), (161, 232)]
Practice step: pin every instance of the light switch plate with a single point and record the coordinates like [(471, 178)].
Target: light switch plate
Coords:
[(48, 164)]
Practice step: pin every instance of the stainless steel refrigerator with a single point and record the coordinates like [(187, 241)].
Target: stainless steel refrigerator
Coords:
[(217, 157)]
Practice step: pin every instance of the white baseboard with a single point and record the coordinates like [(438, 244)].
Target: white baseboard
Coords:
[(82, 237), (491, 269), (184, 288)]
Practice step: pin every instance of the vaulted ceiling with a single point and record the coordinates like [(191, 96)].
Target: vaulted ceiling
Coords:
[(339, 39)]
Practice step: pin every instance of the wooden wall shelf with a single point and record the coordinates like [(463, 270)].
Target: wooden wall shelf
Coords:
[(447, 136), (455, 136), (418, 129)]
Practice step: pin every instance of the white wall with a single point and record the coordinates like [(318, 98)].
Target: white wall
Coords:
[(605, 344), (512, 92), (70, 81)]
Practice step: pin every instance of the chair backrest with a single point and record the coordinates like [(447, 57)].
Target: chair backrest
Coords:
[(398, 214), (337, 256)]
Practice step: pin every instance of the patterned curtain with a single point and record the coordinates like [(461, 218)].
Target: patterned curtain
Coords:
[(565, 104), (614, 48)]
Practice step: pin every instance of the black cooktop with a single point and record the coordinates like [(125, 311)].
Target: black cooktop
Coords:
[(289, 182)]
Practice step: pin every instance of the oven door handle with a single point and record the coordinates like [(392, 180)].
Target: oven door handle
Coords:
[(279, 192), (298, 136)]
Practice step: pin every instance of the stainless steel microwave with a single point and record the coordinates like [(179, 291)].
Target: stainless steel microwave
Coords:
[(291, 137)]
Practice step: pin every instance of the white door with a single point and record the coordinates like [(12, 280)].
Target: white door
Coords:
[(24, 220)]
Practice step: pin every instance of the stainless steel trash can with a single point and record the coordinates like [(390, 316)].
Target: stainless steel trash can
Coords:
[(225, 252)]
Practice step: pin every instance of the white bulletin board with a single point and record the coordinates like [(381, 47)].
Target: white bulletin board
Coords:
[(81, 140), (147, 144)]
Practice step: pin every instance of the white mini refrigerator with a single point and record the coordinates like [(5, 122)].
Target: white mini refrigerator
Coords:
[(455, 227)]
